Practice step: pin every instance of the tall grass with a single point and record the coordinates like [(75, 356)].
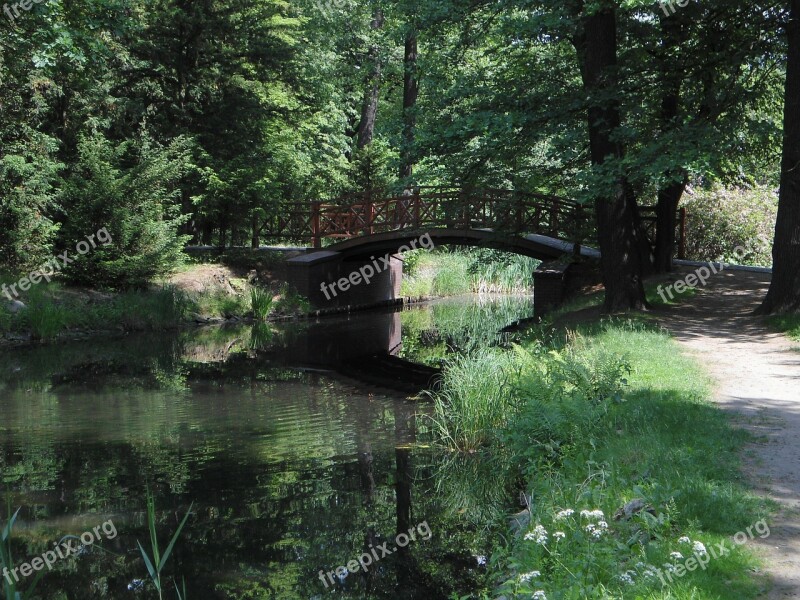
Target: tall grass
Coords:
[(475, 400), (156, 561), (260, 303), (463, 271), (10, 590), (661, 442)]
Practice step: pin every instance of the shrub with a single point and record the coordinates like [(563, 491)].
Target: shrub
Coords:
[(720, 220), (131, 190)]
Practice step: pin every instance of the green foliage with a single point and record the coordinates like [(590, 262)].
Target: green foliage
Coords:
[(372, 167), (467, 270), (474, 402), (260, 303), (130, 191), (665, 445), (789, 324), (721, 220), (156, 561), (563, 395), (28, 196), (51, 312)]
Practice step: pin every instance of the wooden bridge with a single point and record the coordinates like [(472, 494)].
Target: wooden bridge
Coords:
[(372, 212)]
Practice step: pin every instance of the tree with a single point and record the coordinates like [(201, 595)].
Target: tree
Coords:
[(615, 206), (784, 291), (132, 192)]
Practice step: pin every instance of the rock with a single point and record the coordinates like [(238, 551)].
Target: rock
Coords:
[(520, 521), (16, 306), (631, 508)]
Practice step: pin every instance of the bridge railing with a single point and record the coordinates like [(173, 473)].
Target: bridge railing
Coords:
[(368, 213)]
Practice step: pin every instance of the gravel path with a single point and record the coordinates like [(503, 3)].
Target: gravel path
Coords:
[(758, 377)]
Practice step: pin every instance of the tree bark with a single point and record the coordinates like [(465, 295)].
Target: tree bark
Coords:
[(669, 197), (369, 110), (410, 94), (784, 291), (670, 194), (615, 210)]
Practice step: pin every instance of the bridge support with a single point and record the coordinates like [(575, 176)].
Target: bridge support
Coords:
[(555, 282), (332, 282)]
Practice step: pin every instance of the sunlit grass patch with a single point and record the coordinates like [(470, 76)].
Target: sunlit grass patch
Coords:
[(790, 324)]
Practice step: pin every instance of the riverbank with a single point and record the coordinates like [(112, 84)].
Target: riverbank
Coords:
[(235, 286), (612, 418), (198, 294)]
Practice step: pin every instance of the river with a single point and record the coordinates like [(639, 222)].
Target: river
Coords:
[(302, 447)]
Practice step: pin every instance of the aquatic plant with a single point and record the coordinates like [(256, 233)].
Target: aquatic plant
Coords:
[(156, 562), (10, 591)]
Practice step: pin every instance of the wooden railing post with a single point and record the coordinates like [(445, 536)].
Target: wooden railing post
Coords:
[(417, 206), (316, 234), (682, 245)]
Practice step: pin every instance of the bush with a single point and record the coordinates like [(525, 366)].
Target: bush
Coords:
[(720, 220), (131, 190)]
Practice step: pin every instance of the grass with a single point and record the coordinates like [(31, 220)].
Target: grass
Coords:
[(52, 310), (576, 442), (10, 589), (260, 303), (789, 324), (450, 273), (157, 560)]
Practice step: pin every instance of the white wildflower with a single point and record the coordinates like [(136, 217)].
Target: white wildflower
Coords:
[(699, 548), (559, 535), (561, 515), (538, 535), (676, 556), (650, 572), (640, 565), (669, 567), (592, 514), (525, 577), (684, 540), (602, 525), (626, 577), (539, 595)]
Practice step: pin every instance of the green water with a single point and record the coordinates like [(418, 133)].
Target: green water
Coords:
[(294, 465)]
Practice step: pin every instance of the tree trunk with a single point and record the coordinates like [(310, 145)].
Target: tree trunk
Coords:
[(255, 240), (369, 110), (784, 292), (615, 211), (410, 94), (669, 196), (666, 221)]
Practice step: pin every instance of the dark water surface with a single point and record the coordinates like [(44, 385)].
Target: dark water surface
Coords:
[(296, 460)]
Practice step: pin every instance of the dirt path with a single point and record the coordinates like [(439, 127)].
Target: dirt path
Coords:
[(758, 376)]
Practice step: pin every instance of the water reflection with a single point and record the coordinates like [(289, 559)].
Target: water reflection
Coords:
[(294, 466)]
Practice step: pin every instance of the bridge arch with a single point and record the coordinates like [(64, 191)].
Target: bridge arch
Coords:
[(394, 242)]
